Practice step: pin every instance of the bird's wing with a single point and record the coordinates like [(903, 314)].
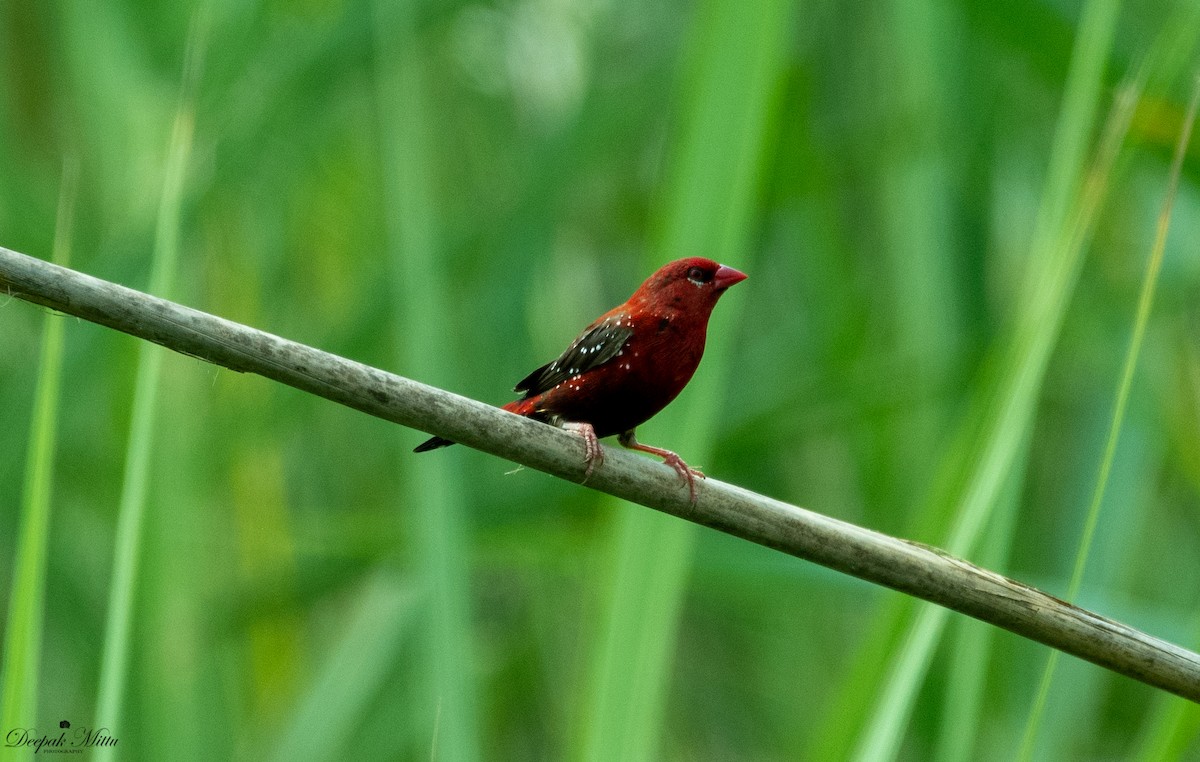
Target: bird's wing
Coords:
[(596, 346)]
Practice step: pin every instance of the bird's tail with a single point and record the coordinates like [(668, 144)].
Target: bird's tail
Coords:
[(520, 407), (432, 444)]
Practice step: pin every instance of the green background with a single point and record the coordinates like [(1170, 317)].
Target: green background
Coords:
[(451, 191)]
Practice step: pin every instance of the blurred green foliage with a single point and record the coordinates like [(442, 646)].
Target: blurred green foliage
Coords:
[(451, 190)]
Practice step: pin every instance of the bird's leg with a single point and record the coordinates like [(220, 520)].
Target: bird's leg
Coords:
[(593, 455), (686, 472)]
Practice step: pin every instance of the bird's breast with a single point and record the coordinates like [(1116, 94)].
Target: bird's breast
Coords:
[(649, 371)]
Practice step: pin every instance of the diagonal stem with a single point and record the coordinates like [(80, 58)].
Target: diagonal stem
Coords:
[(912, 568)]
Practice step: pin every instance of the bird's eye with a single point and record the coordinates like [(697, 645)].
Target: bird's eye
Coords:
[(699, 276)]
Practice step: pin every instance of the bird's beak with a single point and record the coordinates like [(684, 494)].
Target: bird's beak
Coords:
[(727, 276)]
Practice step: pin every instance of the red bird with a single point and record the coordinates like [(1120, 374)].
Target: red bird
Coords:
[(628, 364)]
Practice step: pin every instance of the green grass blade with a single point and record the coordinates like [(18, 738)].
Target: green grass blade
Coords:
[(963, 707), (1173, 732), (731, 75), (1124, 385), (1056, 253), (916, 166), (338, 696), (23, 633), (434, 496), (1172, 729), (1063, 230), (118, 646)]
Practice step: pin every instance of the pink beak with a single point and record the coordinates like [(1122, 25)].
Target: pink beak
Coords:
[(727, 276)]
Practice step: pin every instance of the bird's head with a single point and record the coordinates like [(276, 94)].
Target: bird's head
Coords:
[(692, 286)]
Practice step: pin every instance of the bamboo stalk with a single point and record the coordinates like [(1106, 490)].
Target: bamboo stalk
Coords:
[(909, 567)]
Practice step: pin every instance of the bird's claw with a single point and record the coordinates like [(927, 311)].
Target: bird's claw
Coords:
[(686, 472), (593, 453)]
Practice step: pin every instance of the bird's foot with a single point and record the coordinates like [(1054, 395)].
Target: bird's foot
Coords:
[(593, 453), (686, 472)]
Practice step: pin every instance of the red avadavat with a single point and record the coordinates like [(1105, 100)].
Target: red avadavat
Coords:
[(628, 364)]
